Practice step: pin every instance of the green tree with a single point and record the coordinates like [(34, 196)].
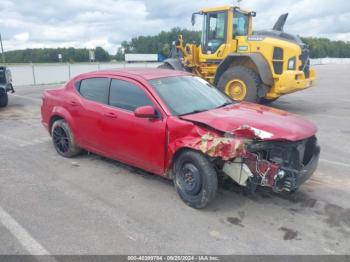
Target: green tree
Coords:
[(120, 54), (101, 55)]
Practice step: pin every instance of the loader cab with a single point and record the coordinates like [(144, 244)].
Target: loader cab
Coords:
[(214, 31), (222, 29)]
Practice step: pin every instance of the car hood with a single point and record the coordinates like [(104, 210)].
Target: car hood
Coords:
[(255, 121)]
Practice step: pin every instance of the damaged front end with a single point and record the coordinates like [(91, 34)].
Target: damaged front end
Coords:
[(280, 165), (249, 156)]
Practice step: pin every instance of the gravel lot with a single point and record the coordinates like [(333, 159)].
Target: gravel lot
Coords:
[(92, 205)]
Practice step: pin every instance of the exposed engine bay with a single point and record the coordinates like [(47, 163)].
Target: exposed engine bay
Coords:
[(280, 165)]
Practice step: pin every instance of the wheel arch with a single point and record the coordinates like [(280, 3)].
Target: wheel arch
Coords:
[(53, 119), (61, 113), (254, 61), (175, 155)]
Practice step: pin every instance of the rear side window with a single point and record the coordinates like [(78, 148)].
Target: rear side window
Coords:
[(127, 96), (95, 89)]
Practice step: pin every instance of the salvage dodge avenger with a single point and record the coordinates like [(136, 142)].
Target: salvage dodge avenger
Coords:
[(176, 125)]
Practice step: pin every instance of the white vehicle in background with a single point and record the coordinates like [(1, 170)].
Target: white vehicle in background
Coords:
[(141, 58), (5, 85)]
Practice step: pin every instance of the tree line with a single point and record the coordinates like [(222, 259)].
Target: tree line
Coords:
[(160, 44), (51, 55), (324, 47)]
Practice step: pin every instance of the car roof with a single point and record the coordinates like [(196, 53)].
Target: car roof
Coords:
[(145, 73)]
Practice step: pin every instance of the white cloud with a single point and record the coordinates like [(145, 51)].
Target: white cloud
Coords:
[(22, 37), (106, 23)]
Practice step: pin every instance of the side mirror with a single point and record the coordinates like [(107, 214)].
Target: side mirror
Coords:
[(145, 112)]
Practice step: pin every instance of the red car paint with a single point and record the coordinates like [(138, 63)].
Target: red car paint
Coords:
[(235, 118), (151, 144)]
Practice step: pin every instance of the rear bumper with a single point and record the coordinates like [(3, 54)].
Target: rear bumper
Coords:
[(6, 88), (292, 81)]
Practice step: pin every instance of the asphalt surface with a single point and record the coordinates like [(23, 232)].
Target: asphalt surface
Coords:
[(92, 205)]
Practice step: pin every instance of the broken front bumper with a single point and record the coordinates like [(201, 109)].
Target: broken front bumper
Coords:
[(306, 172), (287, 167)]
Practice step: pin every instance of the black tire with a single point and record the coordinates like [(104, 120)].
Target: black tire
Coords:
[(195, 179), (4, 99), (265, 101), (246, 75), (165, 66), (63, 139)]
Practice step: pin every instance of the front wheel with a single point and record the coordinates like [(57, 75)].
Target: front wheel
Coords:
[(195, 179), (4, 99), (240, 83)]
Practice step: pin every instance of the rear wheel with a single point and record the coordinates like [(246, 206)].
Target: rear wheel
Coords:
[(195, 179), (240, 83), (4, 99), (63, 139)]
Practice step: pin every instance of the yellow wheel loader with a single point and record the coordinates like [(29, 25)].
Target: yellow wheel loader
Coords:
[(255, 66)]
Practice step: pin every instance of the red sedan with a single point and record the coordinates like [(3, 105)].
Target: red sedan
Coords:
[(176, 125)]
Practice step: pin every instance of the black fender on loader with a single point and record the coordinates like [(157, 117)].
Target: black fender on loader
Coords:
[(255, 60), (173, 63)]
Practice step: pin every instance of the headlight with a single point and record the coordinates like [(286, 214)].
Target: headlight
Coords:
[(291, 63)]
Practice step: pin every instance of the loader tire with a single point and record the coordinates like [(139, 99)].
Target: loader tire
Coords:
[(240, 83), (4, 99), (195, 179)]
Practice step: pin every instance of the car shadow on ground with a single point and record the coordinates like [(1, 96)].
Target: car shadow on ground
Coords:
[(230, 195), (235, 206)]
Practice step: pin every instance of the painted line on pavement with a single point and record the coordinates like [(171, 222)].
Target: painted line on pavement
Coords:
[(22, 235), (335, 162)]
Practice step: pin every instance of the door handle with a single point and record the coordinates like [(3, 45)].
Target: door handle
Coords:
[(110, 115), (73, 103)]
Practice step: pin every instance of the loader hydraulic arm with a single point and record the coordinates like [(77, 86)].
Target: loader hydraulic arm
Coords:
[(180, 46)]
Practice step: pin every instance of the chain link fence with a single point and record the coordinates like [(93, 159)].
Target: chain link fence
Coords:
[(39, 74)]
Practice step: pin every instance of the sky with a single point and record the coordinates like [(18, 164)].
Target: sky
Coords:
[(106, 23)]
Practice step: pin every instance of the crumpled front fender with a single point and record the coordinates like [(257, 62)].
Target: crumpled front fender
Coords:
[(185, 134)]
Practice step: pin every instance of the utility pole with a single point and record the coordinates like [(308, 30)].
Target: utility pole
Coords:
[(2, 50)]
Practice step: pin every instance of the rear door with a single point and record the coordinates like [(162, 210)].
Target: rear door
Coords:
[(88, 112), (133, 140)]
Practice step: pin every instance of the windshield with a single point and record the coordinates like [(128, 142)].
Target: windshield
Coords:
[(240, 24), (188, 94)]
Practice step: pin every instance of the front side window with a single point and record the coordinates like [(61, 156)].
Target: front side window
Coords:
[(95, 89), (127, 96), (188, 94), (214, 31), (240, 24)]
